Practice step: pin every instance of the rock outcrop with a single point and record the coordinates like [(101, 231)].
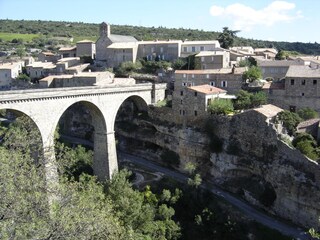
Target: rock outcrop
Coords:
[(245, 155)]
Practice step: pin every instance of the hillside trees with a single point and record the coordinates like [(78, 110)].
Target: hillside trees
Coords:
[(84, 208)]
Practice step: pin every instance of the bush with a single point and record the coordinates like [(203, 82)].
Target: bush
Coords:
[(258, 99), (307, 113), (290, 120), (246, 100), (24, 77), (253, 73), (221, 106), (307, 145)]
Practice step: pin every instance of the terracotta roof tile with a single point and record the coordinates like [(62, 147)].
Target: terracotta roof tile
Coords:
[(207, 89)]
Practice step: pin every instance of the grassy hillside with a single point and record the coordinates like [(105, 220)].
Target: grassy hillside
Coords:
[(5, 36), (80, 30)]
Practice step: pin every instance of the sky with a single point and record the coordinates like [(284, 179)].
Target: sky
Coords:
[(289, 20)]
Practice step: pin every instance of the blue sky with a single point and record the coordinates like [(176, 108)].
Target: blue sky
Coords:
[(289, 20)]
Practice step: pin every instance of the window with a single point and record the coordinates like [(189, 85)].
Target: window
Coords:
[(184, 75), (302, 94), (161, 49), (185, 49), (212, 58), (181, 93), (208, 76), (209, 101), (123, 57), (124, 50), (314, 82), (152, 49), (162, 56), (303, 82), (195, 113), (201, 48), (193, 49), (223, 83), (180, 112), (212, 84), (183, 112), (195, 94), (192, 76), (292, 81), (202, 59), (6, 75)]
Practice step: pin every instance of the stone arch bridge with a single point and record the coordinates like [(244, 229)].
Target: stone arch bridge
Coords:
[(46, 106)]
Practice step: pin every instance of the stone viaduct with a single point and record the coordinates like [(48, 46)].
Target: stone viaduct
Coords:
[(46, 106)]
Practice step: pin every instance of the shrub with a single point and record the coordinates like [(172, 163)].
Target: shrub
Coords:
[(253, 73), (221, 106), (307, 113), (24, 77), (290, 120)]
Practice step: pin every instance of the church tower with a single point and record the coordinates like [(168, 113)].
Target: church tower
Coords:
[(104, 29)]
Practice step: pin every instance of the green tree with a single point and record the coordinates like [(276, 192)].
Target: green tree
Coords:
[(20, 51), (84, 208), (243, 100), (307, 113), (252, 74), (24, 77), (221, 106), (290, 120), (142, 212), (226, 38), (179, 64), (258, 99), (281, 55)]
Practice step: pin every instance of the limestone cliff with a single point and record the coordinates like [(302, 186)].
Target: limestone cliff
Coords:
[(243, 154)]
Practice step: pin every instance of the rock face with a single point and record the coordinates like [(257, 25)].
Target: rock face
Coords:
[(243, 154), (266, 171)]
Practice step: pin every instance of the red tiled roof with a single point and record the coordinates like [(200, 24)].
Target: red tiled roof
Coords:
[(207, 89)]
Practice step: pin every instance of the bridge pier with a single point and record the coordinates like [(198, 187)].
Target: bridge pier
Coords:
[(50, 169), (105, 156)]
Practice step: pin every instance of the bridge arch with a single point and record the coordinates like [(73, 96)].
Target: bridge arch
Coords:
[(104, 158), (139, 102)]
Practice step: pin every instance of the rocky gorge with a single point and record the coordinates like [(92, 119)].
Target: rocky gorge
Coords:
[(245, 154)]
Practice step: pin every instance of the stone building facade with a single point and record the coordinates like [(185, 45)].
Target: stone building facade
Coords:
[(161, 50), (219, 58), (193, 47), (86, 48), (195, 101), (275, 69), (68, 51), (8, 72), (228, 80), (105, 40)]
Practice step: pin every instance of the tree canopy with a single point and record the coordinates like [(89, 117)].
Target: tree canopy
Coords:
[(226, 38)]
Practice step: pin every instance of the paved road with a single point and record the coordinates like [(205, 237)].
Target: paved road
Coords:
[(241, 205)]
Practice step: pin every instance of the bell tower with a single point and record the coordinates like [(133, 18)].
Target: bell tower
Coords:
[(104, 29)]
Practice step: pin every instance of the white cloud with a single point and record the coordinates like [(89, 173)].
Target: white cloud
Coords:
[(245, 17)]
